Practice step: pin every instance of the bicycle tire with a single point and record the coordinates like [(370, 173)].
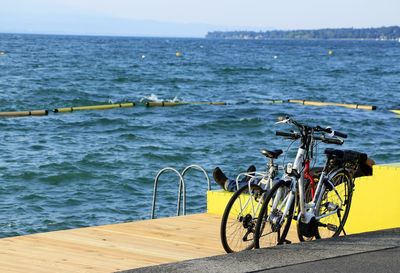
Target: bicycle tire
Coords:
[(333, 225), (238, 214), (260, 238)]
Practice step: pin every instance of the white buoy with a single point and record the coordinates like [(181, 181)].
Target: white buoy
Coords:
[(275, 57), (143, 56)]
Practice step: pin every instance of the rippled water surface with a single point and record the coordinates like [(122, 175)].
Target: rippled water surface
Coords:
[(98, 167)]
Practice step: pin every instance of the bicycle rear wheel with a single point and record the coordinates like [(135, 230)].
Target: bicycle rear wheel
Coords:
[(333, 224), (239, 219), (270, 231)]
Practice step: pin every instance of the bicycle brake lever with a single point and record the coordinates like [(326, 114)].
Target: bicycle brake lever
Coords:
[(281, 119)]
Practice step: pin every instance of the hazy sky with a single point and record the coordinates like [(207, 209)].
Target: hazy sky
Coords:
[(132, 17)]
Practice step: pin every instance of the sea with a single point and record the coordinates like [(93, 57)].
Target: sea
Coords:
[(87, 168)]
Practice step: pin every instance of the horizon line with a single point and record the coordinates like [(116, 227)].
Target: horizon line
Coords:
[(176, 37)]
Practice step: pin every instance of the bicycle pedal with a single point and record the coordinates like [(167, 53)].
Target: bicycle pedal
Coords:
[(287, 242), (332, 227)]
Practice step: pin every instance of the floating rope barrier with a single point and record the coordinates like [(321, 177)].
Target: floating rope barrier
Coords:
[(317, 103), (207, 103), (272, 101), (25, 113), (395, 111), (171, 103), (94, 107), (163, 103)]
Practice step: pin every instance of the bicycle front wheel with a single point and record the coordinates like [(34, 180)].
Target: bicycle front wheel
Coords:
[(339, 199), (272, 224), (239, 218)]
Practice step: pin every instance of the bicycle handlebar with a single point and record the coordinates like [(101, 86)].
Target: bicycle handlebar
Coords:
[(330, 131), (329, 140), (302, 127), (288, 135), (324, 139), (339, 134)]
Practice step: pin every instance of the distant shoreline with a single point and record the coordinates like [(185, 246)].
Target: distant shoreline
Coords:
[(236, 35), (369, 34)]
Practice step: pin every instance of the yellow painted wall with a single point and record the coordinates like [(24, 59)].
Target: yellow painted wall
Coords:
[(375, 204), (376, 201), (217, 200)]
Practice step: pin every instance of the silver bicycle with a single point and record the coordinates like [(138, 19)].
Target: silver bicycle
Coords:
[(321, 215), (241, 213)]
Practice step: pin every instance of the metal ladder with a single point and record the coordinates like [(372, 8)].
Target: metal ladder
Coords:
[(182, 188)]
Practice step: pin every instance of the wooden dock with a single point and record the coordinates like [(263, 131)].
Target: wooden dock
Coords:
[(124, 246), (113, 248)]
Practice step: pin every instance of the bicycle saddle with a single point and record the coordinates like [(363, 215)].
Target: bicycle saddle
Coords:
[(271, 154)]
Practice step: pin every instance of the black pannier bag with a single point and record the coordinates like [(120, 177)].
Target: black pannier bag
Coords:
[(357, 162)]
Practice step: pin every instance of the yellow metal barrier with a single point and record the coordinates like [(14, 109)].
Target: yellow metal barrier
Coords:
[(375, 204), (317, 103), (94, 107), (24, 113)]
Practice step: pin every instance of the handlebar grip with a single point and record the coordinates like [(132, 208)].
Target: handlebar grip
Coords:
[(287, 135), (333, 141), (339, 134)]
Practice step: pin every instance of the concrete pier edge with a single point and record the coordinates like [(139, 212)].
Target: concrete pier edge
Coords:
[(364, 252)]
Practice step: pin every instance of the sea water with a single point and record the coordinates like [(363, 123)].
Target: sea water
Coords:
[(98, 167)]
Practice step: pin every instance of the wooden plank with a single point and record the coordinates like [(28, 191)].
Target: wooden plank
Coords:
[(116, 247), (113, 247)]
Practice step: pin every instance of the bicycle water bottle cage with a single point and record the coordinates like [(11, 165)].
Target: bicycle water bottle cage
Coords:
[(272, 154)]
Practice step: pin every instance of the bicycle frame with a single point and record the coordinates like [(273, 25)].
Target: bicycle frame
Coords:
[(308, 176), (263, 178), (302, 166), (321, 189)]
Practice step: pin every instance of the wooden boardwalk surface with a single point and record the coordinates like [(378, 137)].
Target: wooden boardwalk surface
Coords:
[(115, 247)]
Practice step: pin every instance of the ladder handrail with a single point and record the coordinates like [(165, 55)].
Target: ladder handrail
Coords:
[(181, 186), (196, 167)]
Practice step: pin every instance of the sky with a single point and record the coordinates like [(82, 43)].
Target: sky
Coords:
[(190, 18)]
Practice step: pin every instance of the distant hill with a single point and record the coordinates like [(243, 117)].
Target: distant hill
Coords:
[(381, 33)]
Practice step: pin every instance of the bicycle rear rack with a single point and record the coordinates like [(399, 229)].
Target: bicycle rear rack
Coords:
[(182, 187)]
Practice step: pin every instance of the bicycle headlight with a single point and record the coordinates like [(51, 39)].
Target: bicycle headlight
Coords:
[(289, 168)]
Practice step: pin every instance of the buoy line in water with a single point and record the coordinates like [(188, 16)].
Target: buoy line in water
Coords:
[(180, 103), (347, 105)]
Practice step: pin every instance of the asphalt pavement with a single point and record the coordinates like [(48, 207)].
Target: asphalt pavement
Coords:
[(377, 251)]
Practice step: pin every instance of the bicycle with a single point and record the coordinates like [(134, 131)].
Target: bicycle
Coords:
[(278, 209), (341, 166), (241, 212)]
